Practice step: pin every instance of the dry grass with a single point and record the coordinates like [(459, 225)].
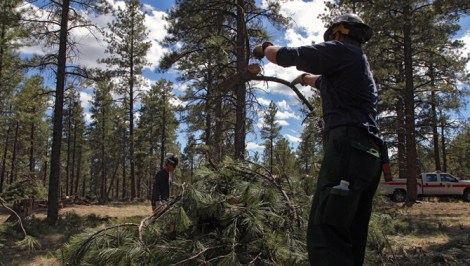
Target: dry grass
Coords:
[(53, 241), (433, 232)]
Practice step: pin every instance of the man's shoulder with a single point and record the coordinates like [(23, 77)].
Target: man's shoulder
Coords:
[(162, 172)]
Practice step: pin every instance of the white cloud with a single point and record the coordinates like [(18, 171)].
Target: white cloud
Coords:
[(155, 23), (91, 45), (283, 105), (85, 100), (307, 27), (292, 139), (466, 40), (287, 115), (253, 146), (263, 101), (281, 122)]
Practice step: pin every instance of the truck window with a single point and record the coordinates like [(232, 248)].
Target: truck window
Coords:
[(448, 178), (431, 178)]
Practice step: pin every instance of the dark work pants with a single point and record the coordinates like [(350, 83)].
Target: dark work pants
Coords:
[(338, 224)]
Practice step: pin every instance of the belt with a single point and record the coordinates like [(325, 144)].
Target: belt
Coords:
[(347, 131)]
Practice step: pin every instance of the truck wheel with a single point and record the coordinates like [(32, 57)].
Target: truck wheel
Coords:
[(466, 195), (399, 195)]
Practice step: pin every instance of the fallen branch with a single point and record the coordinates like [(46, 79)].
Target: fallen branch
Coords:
[(3, 202), (270, 179), (156, 214), (83, 246), (160, 210), (194, 256)]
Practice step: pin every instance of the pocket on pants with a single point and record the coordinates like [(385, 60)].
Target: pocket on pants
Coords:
[(338, 209)]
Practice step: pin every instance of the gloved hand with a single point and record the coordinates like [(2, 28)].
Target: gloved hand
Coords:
[(299, 80), (258, 52)]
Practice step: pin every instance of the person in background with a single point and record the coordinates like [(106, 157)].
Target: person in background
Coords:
[(351, 168), (161, 185)]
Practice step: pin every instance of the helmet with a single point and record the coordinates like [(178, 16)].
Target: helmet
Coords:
[(171, 159), (350, 25)]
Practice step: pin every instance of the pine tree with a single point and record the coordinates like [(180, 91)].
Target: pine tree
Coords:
[(216, 38), (11, 32), (270, 132), (127, 47), (284, 160), (102, 115), (64, 17), (73, 140), (156, 128), (26, 139)]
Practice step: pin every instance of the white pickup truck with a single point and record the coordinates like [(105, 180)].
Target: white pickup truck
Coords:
[(429, 184)]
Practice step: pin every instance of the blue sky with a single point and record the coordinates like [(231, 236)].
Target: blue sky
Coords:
[(307, 29)]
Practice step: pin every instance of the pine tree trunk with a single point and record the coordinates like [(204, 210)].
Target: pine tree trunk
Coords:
[(54, 180), (208, 119), (69, 150), (14, 153), (79, 168), (45, 171), (435, 133), (103, 161), (218, 145), (124, 183), (2, 50), (4, 160), (31, 149), (444, 154), (117, 188), (74, 151), (401, 136), (242, 63), (409, 109), (163, 130)]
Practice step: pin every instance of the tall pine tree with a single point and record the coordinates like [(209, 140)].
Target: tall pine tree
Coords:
[(127, 48)]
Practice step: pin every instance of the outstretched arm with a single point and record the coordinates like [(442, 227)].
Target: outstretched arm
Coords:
[(305, 79), (271, 53)]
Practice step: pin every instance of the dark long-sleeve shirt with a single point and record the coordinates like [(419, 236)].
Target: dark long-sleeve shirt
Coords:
[(161, 188), (346, 85)]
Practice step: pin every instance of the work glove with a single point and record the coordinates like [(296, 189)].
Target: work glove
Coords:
[(258, 52), (299, 80)]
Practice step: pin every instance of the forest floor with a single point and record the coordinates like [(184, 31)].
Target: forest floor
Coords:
[(431, 232)]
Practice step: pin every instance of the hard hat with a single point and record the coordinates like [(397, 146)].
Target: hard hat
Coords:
[(350, 25), (171, 159)]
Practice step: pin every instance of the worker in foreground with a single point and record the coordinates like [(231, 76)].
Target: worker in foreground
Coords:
[(351, 167)]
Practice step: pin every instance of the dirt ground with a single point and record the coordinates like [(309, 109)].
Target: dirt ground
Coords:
[(51, 242), (437, 232), (435, 229)]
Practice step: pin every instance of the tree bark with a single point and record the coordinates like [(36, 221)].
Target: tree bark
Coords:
[(4, 160), (54, 179), (409, 108), (13, 156), (31, 148), (240, 89)]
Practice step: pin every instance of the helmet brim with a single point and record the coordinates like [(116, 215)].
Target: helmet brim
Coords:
[(366, 31)]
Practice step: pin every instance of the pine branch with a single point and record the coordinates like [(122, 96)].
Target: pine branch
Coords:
[(86, 243), (270, 179), (3, 202), (159, 211), (195, 256)]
